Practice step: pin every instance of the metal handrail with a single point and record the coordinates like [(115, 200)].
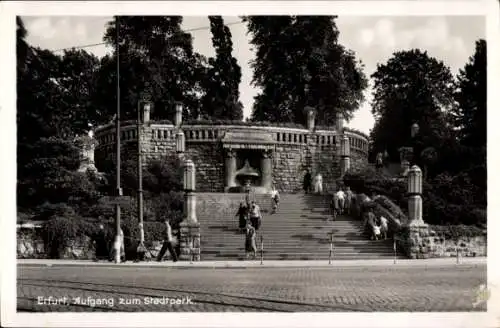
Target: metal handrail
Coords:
[(261, 249), (330, 254), (394, 246)]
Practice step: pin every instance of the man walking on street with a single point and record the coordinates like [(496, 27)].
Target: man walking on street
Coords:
[(167, 244)]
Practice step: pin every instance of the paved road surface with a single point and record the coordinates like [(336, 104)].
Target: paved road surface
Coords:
[(436, 288)]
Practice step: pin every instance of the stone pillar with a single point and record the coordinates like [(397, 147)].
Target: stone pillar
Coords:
[(415, 198), (190, 227), (178, 114), (180, 143), (267, 169), (146, 112), (339, 124), (339, 133), (230, 165), (345, 153), (417, 241)]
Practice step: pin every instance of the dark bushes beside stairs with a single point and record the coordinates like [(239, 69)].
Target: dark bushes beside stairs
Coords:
[(447, 200)]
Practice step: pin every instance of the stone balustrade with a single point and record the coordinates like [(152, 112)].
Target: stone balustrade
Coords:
[(212, 133), (292, 149)]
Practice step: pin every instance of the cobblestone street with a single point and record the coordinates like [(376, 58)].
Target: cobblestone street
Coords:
[(447, 288)]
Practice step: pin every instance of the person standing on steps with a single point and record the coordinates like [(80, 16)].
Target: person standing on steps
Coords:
[(255, 215), (250, 244), (167, 244), (370, 224), (247, 197), (242, 214), (348, 200), (376, 231), (340, 201), (334, 206), (307, 182), (275, 199), (318, 184), (384, 227)]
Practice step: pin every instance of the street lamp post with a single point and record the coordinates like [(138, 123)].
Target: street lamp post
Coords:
[(415, 129), (141, 249), (345, 153), (117, 243)]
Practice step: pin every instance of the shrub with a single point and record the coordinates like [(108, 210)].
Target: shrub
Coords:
[(446, 199), (394, 222), (359, 205), (63, 228), (454, 232), (394, 209), (168, 205), (153, 231)]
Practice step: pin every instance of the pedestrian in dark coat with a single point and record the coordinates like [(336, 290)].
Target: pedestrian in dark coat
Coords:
[(168, 244), (242, 215), (307, 182)]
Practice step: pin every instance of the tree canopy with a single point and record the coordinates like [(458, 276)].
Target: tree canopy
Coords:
[(411, 87), (470, 114), (221, 99), (156, 56), (299, 63)]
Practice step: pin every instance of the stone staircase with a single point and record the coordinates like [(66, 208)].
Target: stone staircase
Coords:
[(299, 231)]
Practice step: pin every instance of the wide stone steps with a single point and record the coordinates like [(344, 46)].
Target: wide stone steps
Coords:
[(297, 256), (268, 249), (298, 231)]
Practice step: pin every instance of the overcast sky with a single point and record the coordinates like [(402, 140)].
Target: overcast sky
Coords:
[(373, 39)]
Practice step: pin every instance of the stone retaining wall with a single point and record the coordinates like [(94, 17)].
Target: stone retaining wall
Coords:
[(422, 243), (209, 164), (30, 245), (293, 152)]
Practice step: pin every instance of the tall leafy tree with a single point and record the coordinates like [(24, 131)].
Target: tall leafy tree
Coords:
[(52, 108), (50, 175), (22, 47), (155, 56), (221, 100), (299, 62), (56, 94), (411, 88), (470, 114)]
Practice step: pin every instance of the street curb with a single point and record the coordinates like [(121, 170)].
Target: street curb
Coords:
[(255, 265)]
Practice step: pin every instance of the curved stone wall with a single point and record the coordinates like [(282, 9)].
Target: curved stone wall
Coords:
[(292, 150)]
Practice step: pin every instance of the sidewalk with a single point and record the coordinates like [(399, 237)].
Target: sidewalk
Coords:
[(265, 264)]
